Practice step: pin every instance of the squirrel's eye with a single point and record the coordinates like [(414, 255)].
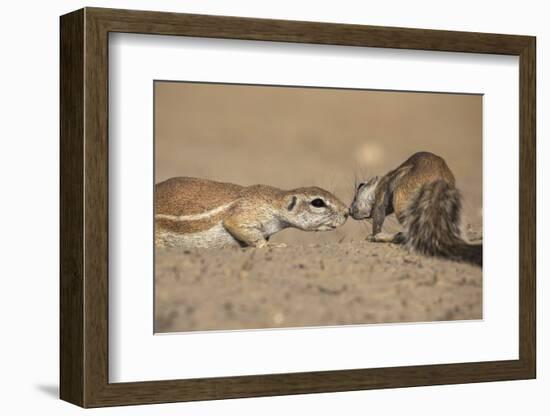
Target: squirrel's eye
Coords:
[(318, 203)]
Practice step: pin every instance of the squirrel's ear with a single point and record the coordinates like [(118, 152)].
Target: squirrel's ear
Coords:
[(373, 180), (291, 203)]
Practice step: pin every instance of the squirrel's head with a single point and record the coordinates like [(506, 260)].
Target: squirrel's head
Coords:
[(363, 201), (314, 209)]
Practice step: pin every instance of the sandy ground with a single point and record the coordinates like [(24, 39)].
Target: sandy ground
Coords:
[(292, 137), (309, 285)]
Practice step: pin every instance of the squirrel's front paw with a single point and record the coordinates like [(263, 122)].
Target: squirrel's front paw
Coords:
[(371, 238), (265, 244), (261, 244), (276, 245)]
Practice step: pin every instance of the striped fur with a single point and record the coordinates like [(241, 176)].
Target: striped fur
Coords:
[(432, 224), (196, 217)]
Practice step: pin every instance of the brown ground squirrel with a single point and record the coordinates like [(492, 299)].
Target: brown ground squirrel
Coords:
[(191, 212), (422, 193)]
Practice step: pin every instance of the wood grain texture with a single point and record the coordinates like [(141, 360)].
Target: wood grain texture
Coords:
[(528, 208), (96, 218), (84, 207), (162, 23), (71, 213)]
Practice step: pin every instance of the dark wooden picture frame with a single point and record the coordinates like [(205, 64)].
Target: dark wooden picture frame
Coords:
[(84, 207)]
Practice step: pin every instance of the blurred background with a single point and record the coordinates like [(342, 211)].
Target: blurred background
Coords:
[(290, 137)]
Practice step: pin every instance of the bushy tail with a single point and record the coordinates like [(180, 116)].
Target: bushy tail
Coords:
[(432, 224)]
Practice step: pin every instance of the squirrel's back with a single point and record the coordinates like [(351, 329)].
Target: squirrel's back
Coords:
[(187, 196), (419, 169)]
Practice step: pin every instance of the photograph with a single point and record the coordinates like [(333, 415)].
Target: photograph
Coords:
[(302, 207)]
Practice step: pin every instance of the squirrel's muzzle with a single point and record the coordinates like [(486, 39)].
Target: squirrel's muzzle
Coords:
[(357, 213)]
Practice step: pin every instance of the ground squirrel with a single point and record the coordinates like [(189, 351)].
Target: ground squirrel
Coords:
[(422, 193), (191, 212)]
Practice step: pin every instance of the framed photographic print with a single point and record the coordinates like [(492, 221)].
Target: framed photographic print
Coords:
[(255, 207)]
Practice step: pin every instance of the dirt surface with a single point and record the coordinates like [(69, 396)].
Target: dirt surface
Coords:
[(310, 285), (293, 137)]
